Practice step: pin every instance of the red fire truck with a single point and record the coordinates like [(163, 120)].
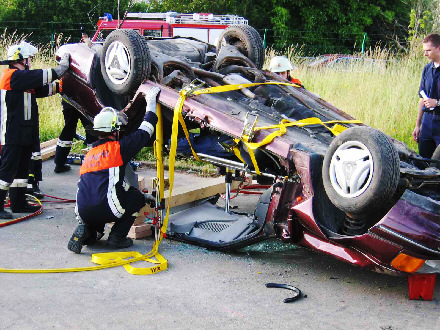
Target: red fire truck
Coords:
[(203, 26)]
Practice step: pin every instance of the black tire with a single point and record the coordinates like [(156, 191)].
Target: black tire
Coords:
[(134, 54), (364, 156), (247, 40)]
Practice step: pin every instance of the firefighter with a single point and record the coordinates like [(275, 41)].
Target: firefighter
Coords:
[(71, 117), (103, 196), (19, 88), (282, 67)]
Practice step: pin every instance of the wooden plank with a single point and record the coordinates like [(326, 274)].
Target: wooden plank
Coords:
[(187, 194), (140, 231), (137, 231), (48, 143), (48, 152)]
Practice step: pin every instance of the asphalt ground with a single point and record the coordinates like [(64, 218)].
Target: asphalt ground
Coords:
[(201, 288)]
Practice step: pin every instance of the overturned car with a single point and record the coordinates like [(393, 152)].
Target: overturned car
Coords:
[(336, 186)]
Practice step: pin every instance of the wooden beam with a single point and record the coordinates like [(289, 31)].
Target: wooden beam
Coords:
[(48, 143), (48, 152), (186, 194)]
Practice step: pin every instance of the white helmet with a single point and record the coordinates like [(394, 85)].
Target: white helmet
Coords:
[(21, 51), (280, 64), (109, 120)]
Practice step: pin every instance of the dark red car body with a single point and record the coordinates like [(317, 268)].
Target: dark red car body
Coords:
[(296, 208)]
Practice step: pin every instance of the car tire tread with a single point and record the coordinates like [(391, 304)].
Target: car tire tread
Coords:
[(251, 39), (385, 177), (140, 56)]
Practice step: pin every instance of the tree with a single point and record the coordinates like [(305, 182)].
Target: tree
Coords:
[(329, 26)]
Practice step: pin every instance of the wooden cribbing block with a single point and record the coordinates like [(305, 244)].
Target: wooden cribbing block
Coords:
[(48, 149), (141, 217), (140, 231), (141, 182), (137, 231), (48, 143)]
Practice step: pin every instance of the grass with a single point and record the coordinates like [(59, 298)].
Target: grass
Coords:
[(382, 97), (385, 99)]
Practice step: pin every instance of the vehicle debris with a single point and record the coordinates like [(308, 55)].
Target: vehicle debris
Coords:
[(296, 291)]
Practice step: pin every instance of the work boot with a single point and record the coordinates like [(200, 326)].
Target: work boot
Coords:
[(79, 237), (34, 190), (93, 237), (4, 214), (119, 243), (17, 197), (61, 168)]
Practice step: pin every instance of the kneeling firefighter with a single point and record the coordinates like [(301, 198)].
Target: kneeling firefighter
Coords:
[(103, 196)]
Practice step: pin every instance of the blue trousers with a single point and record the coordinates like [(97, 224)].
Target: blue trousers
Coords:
[(429, 137)]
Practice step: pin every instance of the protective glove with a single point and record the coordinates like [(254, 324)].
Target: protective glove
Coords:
[(63, 66), (150, 199), (151, 98)]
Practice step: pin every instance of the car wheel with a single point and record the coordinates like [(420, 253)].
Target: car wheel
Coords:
[(247, 40), (361, 170), (125, 61)]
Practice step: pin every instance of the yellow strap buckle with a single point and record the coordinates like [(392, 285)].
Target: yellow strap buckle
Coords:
[(248, 131), (194, 86)]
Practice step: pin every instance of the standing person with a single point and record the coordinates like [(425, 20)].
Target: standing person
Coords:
[(282, 67), (427, 130), (103, 196), (20, 87), (71, 116), (65, 140)]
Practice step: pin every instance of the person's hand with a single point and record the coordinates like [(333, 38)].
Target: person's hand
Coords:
[(150, 199), (416, 133), (63, 66), (151, 98), (430, 103)]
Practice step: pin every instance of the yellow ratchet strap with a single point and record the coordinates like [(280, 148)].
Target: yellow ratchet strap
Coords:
[(281, 128)]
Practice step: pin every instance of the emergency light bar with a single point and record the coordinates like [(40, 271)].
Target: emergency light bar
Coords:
[(196, 18)]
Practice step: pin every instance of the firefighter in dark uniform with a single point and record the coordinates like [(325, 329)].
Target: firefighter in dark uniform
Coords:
[(71, 117), (65, 140), (103, 196), (19, 125)]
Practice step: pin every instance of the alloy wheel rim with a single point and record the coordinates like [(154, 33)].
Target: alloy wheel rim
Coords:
[(117, 63), (351, 169)]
